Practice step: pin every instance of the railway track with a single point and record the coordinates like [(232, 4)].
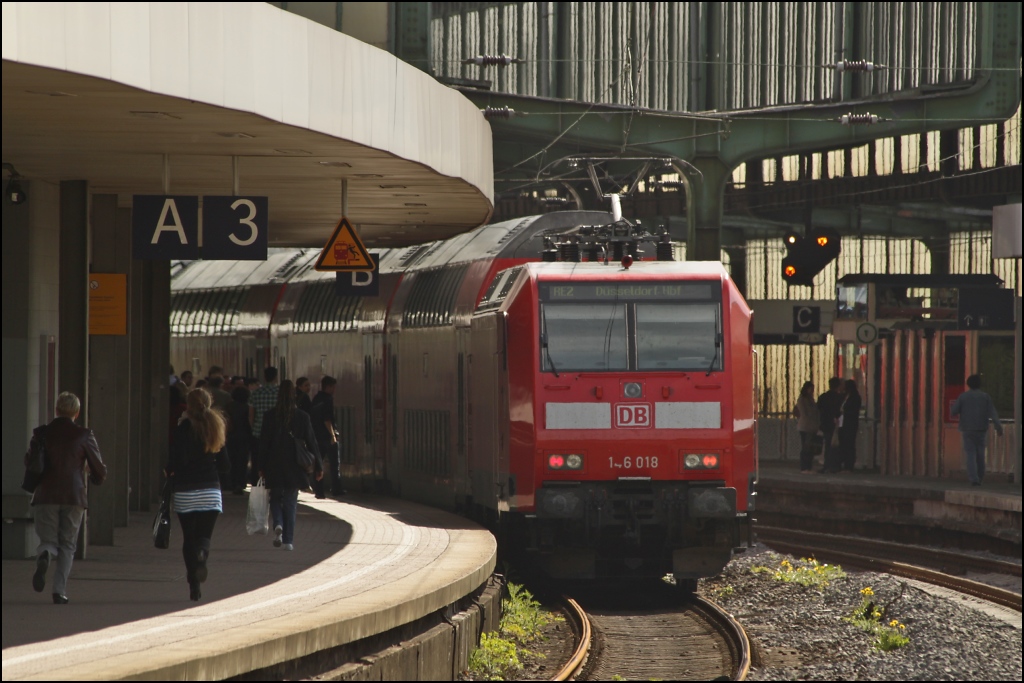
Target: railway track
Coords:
[(695, 640), (892, 558)]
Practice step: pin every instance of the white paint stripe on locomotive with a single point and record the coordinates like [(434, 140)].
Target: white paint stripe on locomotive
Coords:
[(684, 415), (578, 415), (670, 415)]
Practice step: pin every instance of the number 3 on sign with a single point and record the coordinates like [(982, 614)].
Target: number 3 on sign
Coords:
[(254, 230), (639, 462)]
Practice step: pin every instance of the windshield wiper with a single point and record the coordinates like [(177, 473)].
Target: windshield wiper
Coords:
[(544, 341), (718, 345)]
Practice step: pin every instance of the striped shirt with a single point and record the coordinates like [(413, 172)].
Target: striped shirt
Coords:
[(202, 500), (262, 400)]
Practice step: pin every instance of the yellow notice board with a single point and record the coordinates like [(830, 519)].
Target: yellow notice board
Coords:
[(108, 303)]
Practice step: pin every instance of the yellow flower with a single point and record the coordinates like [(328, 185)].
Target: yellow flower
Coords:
[(894, 623), (867, 591)]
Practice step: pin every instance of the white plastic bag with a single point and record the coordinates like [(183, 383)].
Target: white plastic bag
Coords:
[(257, 516)]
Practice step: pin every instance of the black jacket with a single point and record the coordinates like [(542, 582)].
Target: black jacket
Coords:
[(277, 454), (851, 413), (828, 409), (189, 466), (67, 448)]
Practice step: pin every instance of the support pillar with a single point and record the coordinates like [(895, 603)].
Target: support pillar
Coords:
[(705, 195), (109, 373)]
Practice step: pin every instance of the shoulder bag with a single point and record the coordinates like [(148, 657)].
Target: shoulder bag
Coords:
[(303, 458), (162, 521), (35, 462)]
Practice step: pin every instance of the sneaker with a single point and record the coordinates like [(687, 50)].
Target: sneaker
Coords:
[(60, 599), (278, 531), (39, 578), (288, 546)]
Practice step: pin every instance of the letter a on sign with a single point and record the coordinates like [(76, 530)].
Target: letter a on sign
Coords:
[(344, 251)]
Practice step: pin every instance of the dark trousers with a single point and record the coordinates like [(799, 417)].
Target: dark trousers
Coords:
[(807, 450), (833, 459), (332, 470), (974, 454), (196, 532), (238, 450), (282, 508), (847, 447)]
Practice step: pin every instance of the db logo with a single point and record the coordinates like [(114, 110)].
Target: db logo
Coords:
[(633, 415)]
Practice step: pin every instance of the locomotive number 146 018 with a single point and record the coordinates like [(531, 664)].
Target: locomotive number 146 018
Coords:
[(633, 462)]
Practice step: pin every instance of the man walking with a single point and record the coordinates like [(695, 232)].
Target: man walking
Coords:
[(327, 435), (975, 409), (60, 499), (829, 410), (263, 399)]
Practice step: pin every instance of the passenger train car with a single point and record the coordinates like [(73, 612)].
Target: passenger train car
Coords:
[(542, 375)]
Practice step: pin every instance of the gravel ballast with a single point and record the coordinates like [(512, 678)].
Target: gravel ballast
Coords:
[(800, 632)]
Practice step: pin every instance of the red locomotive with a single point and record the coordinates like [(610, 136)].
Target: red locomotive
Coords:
[(599, 412)]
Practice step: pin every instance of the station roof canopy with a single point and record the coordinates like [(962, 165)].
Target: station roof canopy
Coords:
[(115, 93)]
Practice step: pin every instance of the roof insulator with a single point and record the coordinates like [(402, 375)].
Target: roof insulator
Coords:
[(499, 112), (492, 60), (853, 65), (857, 119)]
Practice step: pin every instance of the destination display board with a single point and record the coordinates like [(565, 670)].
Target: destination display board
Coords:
[(633, 291)]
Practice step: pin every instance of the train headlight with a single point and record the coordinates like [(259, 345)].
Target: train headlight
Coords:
[(573, 461), (632, 389), (700, 461)]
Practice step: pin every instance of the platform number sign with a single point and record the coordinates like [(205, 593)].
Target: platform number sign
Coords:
[(165, 227), (235, 228)]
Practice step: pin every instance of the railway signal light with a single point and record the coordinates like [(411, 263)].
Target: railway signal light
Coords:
[(808, 256)]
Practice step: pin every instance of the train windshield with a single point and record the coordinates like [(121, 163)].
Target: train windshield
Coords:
[(589, 327), (677, 337), (585, 337)]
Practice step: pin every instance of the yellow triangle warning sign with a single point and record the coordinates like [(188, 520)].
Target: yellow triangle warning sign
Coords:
[(344, 251)]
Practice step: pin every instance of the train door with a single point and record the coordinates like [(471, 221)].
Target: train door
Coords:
[(957, 352), (279, 355), (393, 467), (995, 362), (488, 413), (461, 470), (374, 416)]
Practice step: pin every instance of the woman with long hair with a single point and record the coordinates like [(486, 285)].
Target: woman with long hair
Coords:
[(194, 469), (850, 421), (808, 424), (283, 429)]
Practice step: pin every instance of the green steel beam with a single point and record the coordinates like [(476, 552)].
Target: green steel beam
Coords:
[(708, 147)]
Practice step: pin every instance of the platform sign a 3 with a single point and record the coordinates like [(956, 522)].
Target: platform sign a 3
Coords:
[(165, 227), (235, 228)]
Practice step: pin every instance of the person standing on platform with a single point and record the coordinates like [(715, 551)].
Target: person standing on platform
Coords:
[(302, 400), (849, 421), (221, 398), (828, 414), (263, 399), (282, 426), (975, 408), (60, 499), (808, 424), (239, 438), (194, 468), (185, 379), (327, 433)]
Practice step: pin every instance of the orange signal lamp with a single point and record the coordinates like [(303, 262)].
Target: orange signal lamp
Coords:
[(822, 241), (790, 271)]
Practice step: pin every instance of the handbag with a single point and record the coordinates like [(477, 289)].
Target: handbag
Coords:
[(258, 512), (162, 521), (35, 462), (303, 458)]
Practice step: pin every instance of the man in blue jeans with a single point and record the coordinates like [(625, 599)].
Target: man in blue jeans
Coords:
[(975, 409)]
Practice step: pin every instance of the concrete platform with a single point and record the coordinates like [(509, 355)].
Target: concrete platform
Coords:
[(986, 517), (361, 567)]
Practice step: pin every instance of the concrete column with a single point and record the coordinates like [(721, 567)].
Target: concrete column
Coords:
[(109, 368), (17, 344), (74, 293)]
